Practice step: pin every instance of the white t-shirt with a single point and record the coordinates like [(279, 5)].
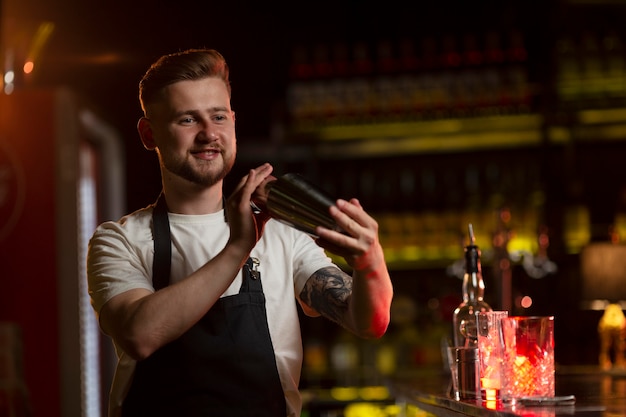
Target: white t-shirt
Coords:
[(120, 258)]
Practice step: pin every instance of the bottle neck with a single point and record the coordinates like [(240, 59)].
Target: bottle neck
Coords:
[(473, 287)]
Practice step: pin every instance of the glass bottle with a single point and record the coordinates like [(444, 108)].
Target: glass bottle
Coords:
[(464, 316)]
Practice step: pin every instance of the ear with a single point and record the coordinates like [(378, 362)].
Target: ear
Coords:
[(145, 133)]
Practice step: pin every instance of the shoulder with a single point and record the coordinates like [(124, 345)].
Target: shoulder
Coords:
[(129, 236), (136, 225), (119, 257)]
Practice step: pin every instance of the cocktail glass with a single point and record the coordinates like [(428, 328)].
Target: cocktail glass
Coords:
[(491, 355), (528, 367)]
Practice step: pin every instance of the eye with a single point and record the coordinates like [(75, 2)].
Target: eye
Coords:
[(187, 120)]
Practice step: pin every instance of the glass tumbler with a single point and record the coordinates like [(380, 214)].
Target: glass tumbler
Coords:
[(491, 353), (528, 345)]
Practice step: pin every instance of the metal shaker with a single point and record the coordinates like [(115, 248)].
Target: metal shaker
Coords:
[(467, 373), (297, 202)]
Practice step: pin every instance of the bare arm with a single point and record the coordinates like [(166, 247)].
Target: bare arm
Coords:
[(141, 321), (360, 302)]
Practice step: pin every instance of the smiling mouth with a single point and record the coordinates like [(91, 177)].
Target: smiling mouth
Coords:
[(206, 152)]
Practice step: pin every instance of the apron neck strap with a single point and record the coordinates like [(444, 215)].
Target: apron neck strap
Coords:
[(161, 263)]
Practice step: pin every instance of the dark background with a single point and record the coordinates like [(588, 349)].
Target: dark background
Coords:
[(101, 50)]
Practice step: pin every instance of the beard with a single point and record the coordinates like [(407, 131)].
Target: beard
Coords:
[(202, 176)]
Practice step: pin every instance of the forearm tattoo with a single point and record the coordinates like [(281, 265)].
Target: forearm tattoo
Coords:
[(327, 291)]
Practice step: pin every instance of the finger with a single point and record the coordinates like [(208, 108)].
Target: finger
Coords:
[(346, 216), (254, 178), (240, 184), (261, 193), (356, 202), (262, 172), (341, 242), (351, 214)]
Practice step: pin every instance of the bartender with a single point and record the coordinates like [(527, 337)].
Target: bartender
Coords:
[(200, 293)]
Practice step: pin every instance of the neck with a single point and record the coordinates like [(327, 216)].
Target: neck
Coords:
[(193, 200)]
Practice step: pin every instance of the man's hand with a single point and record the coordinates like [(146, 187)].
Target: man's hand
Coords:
[(359, 245), (245, 225), (366, 310), (261, 194)]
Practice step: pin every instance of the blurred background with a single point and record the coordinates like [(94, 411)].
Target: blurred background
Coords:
[(509, 115)]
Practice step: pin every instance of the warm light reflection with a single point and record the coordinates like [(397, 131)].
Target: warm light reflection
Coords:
[(492, 404), (9, 77), (110, 58), (28, 67), (374, 393), (344, 393), (490, 394), (364, 409), (8, 81), (526, 301), (44, 31)]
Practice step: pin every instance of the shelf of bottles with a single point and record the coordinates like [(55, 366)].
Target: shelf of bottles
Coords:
[(424, 203), (408, 80), (408, 100), (435, 132), (412, 96), (591, 69)]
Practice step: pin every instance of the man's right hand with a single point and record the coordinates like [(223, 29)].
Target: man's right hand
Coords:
[(246, 227)]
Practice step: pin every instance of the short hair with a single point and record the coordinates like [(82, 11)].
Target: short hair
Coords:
[(191, 64)]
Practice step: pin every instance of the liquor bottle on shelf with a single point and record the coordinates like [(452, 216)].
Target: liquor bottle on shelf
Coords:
[(464, 316)]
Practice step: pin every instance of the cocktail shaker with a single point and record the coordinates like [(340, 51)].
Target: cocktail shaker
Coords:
[(467, 373), (299, 203)]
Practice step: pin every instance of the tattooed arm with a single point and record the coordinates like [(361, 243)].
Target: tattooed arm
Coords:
[(327, 292), (360, 302)]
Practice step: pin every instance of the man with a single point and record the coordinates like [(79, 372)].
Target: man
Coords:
[(208, 326)]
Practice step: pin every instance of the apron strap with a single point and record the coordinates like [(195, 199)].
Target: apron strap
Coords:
[(226, 357), (161, 263)]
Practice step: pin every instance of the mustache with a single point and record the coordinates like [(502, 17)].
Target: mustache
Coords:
[(212, 148)]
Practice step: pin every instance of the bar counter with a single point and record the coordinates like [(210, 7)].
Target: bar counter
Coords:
[(597, 394)]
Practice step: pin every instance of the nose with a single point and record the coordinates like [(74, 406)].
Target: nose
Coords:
[(208, 133)]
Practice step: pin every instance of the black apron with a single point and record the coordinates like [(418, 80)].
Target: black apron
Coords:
[(223, 366)]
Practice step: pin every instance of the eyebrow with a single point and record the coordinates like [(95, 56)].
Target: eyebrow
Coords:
[(215, 109)]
